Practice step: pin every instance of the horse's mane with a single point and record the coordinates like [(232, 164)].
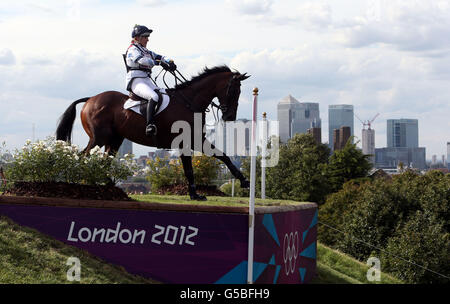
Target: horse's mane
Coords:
[(205, 73)]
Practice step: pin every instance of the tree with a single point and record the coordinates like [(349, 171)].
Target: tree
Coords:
[(422, 241), (300, 173), (346, 164)]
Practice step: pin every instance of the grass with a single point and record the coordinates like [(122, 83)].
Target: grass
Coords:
[(334, 267), (212, 200), (30, 257)]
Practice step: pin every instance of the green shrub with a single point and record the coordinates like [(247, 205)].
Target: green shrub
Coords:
[(422, 241), (164, 171), (406, 217), (57, 161), (227, 188)]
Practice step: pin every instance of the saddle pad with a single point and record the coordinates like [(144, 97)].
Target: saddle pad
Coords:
[(134, 105)]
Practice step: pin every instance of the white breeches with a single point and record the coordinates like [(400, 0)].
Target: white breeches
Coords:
[(145, 88)]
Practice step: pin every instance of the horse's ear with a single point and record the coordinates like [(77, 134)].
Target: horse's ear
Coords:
[(241, 77)]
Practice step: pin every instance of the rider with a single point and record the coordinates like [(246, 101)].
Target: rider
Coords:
[(140, 61)]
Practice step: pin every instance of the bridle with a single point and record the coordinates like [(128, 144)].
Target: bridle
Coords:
[(223, 108)]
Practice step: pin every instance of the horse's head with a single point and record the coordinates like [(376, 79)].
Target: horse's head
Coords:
[(228, 96)]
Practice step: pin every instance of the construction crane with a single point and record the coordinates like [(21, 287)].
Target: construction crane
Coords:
[(368, 122)]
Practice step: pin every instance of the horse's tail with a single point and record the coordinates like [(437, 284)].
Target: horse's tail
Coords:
[(65, 125)]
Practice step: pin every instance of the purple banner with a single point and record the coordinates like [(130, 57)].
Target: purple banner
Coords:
[(184, 247)]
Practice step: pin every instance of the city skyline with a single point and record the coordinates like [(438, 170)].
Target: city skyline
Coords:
[(332, 52)]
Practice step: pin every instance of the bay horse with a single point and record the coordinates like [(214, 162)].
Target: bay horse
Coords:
[(107, 123)]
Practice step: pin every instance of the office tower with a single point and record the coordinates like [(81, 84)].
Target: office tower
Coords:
[(443, 161), (402, 133), (338, 116), (316, 133), (368, 143), (391, 157), (297, 117), (126, 148), (336, 133), (340, 137), (434, 159), (344, 136)]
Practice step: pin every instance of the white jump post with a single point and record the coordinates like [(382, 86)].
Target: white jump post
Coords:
[(251, 216), (263, 156)]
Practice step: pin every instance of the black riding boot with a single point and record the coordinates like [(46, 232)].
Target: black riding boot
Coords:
[(151, 128)]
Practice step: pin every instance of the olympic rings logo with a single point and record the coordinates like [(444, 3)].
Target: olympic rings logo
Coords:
[(290, 252)]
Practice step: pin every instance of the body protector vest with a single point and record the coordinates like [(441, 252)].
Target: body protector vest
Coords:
[(139, 62)]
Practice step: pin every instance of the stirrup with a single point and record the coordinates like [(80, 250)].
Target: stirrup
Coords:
[(150, 130)]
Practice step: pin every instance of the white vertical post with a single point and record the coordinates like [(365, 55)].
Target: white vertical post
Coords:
[(232, 187), (251, 216), (263, 156)]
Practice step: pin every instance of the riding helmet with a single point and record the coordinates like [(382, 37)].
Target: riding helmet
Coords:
[(139, 30)]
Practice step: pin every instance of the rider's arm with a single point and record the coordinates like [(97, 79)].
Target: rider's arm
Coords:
[(136, 58), (159, 58)]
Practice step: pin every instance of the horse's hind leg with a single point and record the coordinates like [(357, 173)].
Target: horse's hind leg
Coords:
[(114, 145), (189, 173)]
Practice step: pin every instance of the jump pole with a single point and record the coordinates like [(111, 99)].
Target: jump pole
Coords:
[(251, 216), (263, 158)]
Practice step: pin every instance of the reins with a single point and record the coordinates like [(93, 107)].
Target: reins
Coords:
[(186, 100)]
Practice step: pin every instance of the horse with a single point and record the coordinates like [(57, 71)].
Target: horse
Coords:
[(107, 123)]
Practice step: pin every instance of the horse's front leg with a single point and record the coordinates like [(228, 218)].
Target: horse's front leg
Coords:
[(227, 161), (189, 173)]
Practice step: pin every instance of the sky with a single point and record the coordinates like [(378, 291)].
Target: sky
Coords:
[(390, 57)]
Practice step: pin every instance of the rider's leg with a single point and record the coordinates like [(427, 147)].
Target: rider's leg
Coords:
[(144, 87)]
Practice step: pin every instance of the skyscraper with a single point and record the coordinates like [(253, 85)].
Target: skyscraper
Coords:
[(339, 116), (402, 133), (297, 117), (368, 143), (126, 148), (402, 145)]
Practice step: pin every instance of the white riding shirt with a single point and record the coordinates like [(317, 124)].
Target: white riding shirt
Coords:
[(140, 60)]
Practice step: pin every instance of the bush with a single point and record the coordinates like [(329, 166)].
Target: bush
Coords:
[(164, 171), (299, 174), (407, 216), (227, 188), (423, 241), (57, 161)]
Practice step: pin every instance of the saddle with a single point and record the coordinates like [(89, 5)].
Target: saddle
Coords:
[(143, 105)]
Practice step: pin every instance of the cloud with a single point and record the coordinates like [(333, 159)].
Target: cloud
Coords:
[(7, 57), (417, 26), (251, 7), (152, 3)]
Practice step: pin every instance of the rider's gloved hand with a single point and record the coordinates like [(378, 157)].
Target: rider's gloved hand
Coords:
[(165, 65), (172, 66)]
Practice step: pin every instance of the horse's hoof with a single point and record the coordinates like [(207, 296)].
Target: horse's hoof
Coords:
[(245, 184), (198, 197)]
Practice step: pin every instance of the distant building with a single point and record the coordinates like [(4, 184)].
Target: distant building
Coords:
[(392, 157), (316, 133), (297, 117), (339, 116), (402, 133), (340, 137), (126, 148), (402, 146), (434, 159), (162, 153), (368, 143)]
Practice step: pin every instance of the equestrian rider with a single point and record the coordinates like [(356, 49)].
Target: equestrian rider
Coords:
[(140, 61)]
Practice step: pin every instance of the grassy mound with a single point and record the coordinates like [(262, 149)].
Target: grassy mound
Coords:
[(30, 257), (334, 267)]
